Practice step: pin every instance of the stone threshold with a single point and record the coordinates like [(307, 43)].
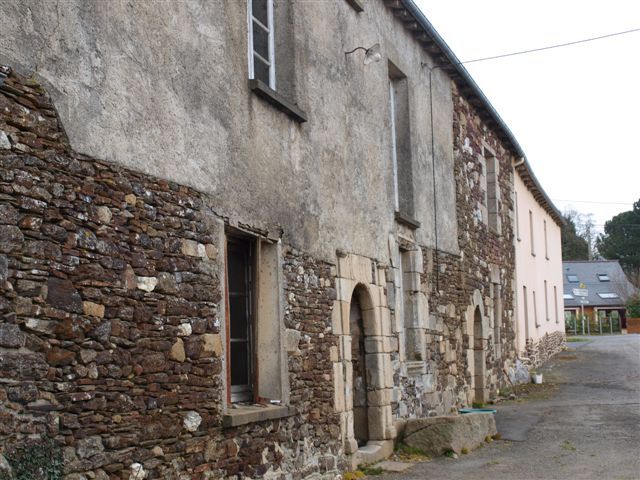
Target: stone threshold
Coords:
[(254, 413)]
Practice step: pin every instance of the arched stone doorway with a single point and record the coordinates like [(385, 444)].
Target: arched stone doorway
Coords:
[(363, 372), (359, 368), (479, 357)]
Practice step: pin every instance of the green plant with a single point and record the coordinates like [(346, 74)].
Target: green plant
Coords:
[(633, 306), (464, 450), (477, 404), (450, 454), (36, 460)]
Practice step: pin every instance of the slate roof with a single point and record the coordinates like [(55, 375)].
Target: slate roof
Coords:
[(425, 33), (588, 273)]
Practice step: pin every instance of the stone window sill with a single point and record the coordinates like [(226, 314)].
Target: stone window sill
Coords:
[(407, 220), (277, 100), (357, 5), (242, 415)]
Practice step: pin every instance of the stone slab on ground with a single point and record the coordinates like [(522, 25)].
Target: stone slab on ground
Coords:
[(438, 435), (391, 466)]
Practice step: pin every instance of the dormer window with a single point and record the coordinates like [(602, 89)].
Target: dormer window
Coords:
[(603, 277), (572, 278)]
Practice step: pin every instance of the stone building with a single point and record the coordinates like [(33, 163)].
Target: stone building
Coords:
[(230, 250), (539, 320)]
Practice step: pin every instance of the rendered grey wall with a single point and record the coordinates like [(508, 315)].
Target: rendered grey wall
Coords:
[(162, 88)]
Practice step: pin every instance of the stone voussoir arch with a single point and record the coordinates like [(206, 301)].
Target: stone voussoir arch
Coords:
[(360, 279)]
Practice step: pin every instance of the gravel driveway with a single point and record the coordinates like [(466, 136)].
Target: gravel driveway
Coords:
[(586, 428)]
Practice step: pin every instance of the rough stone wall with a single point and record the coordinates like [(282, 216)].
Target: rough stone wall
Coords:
[(451, 280), (537, 353), (110, 328), (482, 248)]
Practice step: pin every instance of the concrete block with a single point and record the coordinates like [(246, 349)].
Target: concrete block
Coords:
[(334, 354), (381, 423), (344, 289), (362, 271), (345, 268), (348, 385), (378, 344), (414, 261), (345, 347), (378, 398), (385, 321), (336, 318), (338, 387), (411, 282)]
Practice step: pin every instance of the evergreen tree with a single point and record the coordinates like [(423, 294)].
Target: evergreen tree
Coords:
[(621, 241), (574, 247)]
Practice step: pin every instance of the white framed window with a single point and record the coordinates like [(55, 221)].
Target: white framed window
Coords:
[(531, 236), (546, 302), (546, 244), (394, 146), (603, 277), (261, 42), (517, 217)]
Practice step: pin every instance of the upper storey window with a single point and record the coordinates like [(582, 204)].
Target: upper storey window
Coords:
[(401, 146), (261, 42)]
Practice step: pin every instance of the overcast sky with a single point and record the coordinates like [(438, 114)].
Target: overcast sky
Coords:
[(574, 110)]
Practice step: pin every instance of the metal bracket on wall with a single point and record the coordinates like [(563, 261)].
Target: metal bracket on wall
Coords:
[(4, 73)]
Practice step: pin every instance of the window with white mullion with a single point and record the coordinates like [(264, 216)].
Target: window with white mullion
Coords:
[(261, 41), (262, 59), (394, 151)]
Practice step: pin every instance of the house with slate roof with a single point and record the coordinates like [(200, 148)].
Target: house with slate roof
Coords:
[(607, 289)]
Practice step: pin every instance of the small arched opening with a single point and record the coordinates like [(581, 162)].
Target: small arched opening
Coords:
[(479, 357)]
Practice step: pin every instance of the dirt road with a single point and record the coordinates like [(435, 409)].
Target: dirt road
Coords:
[(586, 428)]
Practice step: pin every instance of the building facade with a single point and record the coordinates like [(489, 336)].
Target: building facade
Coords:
[(603, 291), (539, 286), (230, 250)]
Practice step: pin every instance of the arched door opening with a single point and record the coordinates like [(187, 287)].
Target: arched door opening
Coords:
[(358, 362), (479, 357)]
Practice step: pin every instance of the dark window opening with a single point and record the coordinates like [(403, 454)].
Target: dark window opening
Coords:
[(240, 318)]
